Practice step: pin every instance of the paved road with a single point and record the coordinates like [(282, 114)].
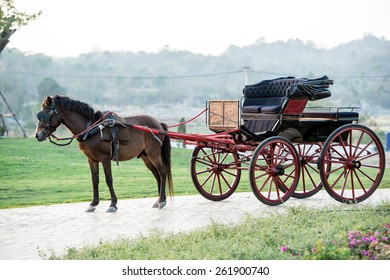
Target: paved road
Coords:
[(25, 232)]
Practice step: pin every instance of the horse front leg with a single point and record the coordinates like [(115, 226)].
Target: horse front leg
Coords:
[(109, 181), (94, 166)]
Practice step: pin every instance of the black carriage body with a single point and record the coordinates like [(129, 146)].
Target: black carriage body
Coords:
[(277, 108)]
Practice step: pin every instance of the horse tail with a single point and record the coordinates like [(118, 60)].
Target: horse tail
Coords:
[(166, 157)]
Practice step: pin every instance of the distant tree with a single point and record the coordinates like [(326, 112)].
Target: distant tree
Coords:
[(49, 87), (182, 129), (10, 19)]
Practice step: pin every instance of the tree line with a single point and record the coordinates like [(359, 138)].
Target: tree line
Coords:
[(175, 83)]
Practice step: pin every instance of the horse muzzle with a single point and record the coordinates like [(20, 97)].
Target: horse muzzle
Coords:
[(41, 135)]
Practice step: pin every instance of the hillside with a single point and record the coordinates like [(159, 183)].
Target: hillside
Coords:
[(172, 84)]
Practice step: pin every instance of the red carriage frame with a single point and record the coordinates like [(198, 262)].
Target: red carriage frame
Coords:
[(301, 151)]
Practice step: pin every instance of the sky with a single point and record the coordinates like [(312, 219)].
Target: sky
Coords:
[(72, 27)]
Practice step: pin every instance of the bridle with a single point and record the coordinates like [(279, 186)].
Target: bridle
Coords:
[(48, 117), (49, 130)]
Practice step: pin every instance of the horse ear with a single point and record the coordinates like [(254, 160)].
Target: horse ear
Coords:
[(48, 100)]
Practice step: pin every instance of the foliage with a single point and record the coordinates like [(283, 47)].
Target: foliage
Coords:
[(2, 130), (49, 87), (362, 245), (10, 18), (370, 244), (253, 239), (182, 129)]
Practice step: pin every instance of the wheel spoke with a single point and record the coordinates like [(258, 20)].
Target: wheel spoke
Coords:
[(260, 176), (270, 188), (226, 182), (282, 183), (230, 173), (276, 181), (267, 160), (204, 162), (311, 146), (288, 176), (263, 185), (335, 151), (343, 146), (212, 184), (309, 175), (368, 156), (345, 182), (219, 183), (365, 148), (352, 184), (360, 182), (223, 158), (350, 142), (288, 165), (367, 176), (207, 155), (202, 172), (206, 180), (334, 170), (312, 169), (303, 179), (370, 166), (283, 158), (335, 182)]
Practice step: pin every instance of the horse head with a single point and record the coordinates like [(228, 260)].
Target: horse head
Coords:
[(48, 119)]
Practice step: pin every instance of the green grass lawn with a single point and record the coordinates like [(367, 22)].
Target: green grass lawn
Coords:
[(34, 173)]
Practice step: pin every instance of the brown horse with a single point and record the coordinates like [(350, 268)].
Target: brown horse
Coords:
[(154, 150)]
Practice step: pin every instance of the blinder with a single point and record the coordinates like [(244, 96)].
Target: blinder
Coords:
[(44, 117), (47, 117)]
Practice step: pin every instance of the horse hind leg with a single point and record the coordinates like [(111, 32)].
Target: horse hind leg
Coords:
[(160, 202)]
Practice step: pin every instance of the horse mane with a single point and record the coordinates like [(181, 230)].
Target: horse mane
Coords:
[(66, 103)]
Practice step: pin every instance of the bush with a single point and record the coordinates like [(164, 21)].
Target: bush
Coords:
[(358, 245)]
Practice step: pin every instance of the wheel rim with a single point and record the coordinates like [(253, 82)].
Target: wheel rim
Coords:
[(215, 173), (357, 163), (310, 181), (274, 171)]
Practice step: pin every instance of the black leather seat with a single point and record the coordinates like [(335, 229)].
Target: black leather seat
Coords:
[(268, 96)]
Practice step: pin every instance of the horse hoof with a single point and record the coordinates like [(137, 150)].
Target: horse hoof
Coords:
[(90, 208), (155, 205), (111, 209), (162, 204)]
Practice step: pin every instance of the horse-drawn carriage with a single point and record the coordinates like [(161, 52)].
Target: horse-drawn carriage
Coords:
[(287, 148)]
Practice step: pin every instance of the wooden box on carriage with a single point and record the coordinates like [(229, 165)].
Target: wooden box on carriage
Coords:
[(223, 115)]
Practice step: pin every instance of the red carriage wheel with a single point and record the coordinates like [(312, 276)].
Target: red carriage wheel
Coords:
[(310, 181), (357, 161), (274, 171), (214, 172)]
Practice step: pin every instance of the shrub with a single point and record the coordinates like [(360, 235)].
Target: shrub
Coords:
[(357, 245)]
